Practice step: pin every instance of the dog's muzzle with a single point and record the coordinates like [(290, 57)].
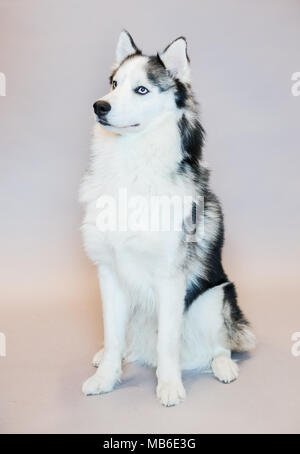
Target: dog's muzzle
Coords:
[(101, 108)]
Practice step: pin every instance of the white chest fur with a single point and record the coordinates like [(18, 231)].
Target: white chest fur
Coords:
[(138, 165)]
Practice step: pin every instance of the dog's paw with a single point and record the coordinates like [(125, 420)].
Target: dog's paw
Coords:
[(97, 358), (170, 393), (100, 383), (224, 369)]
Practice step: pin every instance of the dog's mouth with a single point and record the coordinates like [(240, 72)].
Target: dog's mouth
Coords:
[(104, 122)]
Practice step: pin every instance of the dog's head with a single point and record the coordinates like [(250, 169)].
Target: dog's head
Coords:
[(143, 88)]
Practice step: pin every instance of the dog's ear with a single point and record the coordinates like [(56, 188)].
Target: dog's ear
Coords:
[(176, 60), (125, 47)]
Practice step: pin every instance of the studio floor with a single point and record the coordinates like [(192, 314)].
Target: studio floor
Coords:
[(51, 340)]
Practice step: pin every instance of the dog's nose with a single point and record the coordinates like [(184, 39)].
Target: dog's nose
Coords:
[(101, 108)]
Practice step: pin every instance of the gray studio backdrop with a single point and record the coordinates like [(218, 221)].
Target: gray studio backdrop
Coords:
[(56, 56)]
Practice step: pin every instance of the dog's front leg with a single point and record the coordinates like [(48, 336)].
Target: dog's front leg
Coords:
[(170, 299), (115, 316)]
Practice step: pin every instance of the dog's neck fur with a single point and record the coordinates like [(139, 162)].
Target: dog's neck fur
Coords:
[(137, 161), (159, 141)]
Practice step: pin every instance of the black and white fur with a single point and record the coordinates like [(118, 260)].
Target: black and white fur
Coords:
[(167, 302)]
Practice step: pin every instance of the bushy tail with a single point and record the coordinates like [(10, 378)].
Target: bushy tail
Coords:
[(239, 335), (242, 339)]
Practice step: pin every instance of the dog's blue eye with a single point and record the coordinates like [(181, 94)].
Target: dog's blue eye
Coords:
[(141, 90), (114, 84)]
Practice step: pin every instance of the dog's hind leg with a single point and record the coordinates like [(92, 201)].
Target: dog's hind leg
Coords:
[(224, 368), (214, 326), (238, 337)]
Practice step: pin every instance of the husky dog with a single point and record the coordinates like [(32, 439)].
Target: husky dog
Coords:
[(167, 301)]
